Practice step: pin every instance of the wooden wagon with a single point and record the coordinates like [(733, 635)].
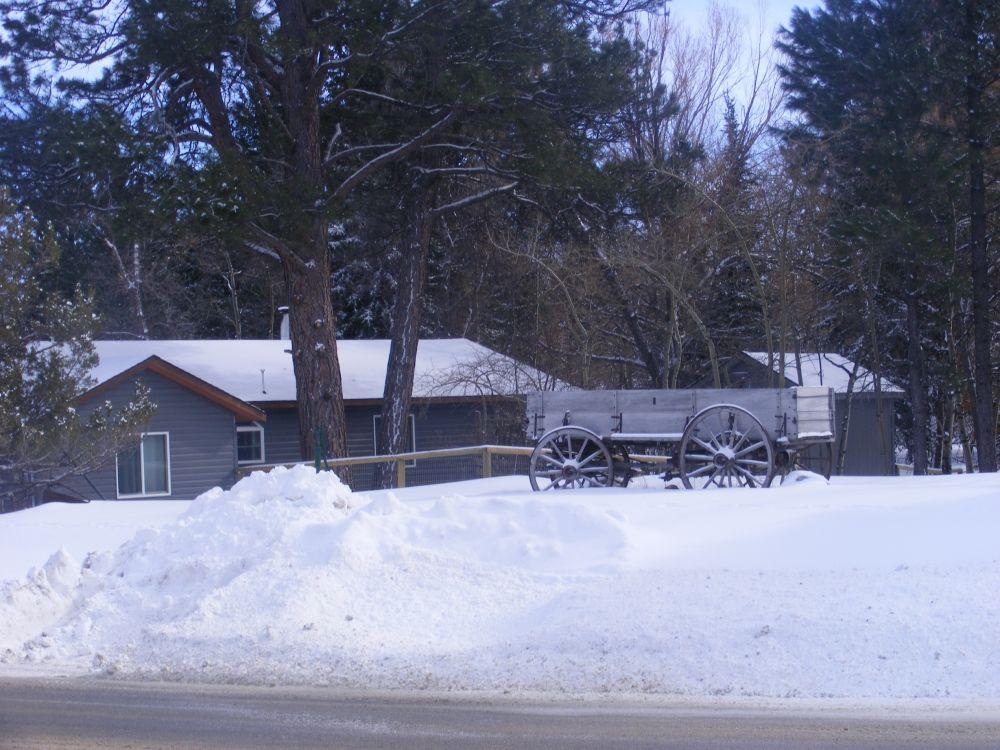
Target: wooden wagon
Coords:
[(706, 437)]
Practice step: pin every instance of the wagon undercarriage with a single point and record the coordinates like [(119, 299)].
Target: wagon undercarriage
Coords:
[(679, 434)]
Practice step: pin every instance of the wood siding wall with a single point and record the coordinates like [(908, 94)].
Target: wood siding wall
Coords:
[(866, 455), (436, 426), (202, 441)]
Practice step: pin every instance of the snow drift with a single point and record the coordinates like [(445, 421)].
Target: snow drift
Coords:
[(874, 588)]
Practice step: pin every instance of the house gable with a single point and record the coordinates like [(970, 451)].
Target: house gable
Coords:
[(240, 409), (201, 438)]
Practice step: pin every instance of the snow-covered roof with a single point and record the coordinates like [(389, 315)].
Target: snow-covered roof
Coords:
[(445, 367), (826, 368)]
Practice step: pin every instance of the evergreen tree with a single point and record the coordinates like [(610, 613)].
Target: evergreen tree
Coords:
[(46, 355), (965, 42), (860, 75)]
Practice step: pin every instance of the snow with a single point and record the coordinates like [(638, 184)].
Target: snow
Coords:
[(859, 588), (236, 366), (826, 369), (29, 537)]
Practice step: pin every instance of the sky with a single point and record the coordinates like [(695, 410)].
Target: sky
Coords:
[(776, 12)]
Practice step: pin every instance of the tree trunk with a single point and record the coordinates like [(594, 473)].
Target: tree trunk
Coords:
[(306, 257), (798, 358), (982, 408), (407, 313), (963, 437), (319, 391), (229, 279), (967, 401), (131, 284), (845, 421), (947, 430), (918, 394), (937, 432)]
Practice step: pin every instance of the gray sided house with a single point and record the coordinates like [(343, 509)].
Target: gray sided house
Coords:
[(223, 406), (870, 446)]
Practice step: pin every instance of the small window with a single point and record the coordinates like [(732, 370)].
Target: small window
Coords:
[(249, 444), (145, 469), (411, 441)]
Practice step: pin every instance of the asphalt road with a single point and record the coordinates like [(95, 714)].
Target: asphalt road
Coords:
[(86, 713)]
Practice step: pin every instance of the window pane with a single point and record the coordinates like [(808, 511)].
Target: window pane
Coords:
[(248, 446), (129, 478), (154, 459)]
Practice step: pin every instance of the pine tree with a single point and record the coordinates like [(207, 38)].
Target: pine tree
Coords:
[(860, 75), (46, 354)]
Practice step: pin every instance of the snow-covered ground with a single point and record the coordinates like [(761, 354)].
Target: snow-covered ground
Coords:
[(884, 588), (28, 538)]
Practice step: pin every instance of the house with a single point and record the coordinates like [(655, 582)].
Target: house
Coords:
[(871, 432), (227, 404)]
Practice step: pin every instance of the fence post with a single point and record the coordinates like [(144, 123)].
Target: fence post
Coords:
[(487, 463), (400, 473), (319, 449)]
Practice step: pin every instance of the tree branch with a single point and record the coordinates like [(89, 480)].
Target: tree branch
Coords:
[(391, 156), (471, 200)]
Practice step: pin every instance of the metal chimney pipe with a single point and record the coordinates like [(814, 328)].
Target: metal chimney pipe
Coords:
[(285, 332)]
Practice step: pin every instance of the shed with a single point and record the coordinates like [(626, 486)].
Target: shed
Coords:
[(871, 427)]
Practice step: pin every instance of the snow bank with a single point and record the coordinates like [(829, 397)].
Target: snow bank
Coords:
[(870, 588), (43, 597)]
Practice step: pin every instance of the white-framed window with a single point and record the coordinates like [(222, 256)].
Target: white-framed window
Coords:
[(411, 443), (249, 444), (144, 470)]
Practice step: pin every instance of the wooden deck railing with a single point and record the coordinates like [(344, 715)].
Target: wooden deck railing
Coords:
[(486, 452)]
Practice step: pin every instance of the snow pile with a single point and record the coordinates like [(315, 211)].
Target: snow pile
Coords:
[(45, 594), (180, 572), (864, 588)]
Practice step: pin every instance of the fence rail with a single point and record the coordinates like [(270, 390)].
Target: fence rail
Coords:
[(906, 470), (485, 452)]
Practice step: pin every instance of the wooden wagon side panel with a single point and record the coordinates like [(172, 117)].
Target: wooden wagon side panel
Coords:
[(766, 404), (592, 410), (653, 411)]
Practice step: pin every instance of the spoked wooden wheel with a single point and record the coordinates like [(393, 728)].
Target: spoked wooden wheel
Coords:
[(568, 458), (725, 446), (815, 458)]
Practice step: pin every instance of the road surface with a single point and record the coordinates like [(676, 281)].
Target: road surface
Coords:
[(71, 713)]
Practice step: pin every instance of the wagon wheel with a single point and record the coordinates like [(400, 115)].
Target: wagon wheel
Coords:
[(725, 446), (816, 458), (568, 458)]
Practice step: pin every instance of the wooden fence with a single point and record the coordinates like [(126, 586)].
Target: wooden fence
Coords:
[(485, 452), (906, 470)]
